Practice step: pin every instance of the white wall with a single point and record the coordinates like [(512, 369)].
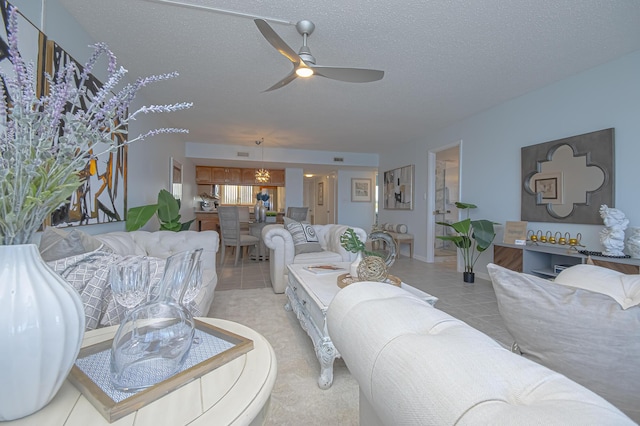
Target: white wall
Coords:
[(360, 214), (294, 189), (603, 97), (148, 161)]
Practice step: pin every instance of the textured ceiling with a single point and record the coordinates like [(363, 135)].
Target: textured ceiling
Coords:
[(444, 60)]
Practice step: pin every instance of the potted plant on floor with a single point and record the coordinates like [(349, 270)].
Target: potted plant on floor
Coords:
[(472, 237)]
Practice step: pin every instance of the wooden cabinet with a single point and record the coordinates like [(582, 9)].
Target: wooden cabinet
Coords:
[(218, 175), (207, 221), (203, 174), (544, 260), (234, 176), (277, 177), (248, 176)]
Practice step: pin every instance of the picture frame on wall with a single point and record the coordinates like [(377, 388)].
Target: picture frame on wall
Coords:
[(320, 193), (549, 186), (360, 190), (398, 188)]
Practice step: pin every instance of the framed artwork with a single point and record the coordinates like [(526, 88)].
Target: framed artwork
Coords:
[(549, 186), (321, 193), (175, 176), (102, 196), (360, 190), (398, 188)]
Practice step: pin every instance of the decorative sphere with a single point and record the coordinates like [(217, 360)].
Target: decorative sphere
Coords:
[(372, 268)]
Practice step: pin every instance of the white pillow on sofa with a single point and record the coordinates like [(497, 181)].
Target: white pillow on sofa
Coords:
[(585, 335), (624, 289), (304, 236)]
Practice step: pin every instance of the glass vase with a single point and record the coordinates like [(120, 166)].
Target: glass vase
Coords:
[(154, 339)]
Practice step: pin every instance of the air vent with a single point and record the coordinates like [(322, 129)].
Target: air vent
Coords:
[(338, 159), (243, 154)]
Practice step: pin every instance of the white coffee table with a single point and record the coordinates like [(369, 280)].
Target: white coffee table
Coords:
[(309, 297), (236, 393)]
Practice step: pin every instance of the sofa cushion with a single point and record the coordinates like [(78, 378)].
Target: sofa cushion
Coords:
[(623, 288), (304, 236), (121, 243), (584, 335), (57, 243), (324, 256)]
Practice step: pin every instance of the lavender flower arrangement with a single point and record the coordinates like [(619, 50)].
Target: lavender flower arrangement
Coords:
[(45, 142)]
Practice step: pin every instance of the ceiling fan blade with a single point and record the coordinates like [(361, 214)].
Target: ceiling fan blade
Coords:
[(288, 79), (350, 75), (274, 39)]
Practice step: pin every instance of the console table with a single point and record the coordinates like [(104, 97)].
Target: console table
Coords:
[(236, 393), (541, 259), (309, 297)]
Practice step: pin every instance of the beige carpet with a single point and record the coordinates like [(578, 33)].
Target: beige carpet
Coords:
[(296, 398)]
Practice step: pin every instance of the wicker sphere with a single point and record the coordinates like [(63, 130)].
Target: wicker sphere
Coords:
[(372, 268)]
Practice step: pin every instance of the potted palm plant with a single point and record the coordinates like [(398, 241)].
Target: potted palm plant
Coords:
[(472, 237)]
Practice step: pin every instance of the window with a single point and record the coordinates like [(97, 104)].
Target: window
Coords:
[(237, 194)]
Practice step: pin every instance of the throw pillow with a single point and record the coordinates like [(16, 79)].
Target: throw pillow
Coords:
[(304, 236), (624, 289), (56, 243), (585, 335)]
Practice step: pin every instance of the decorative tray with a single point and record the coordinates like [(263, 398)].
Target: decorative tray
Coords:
[(91, 371), (346, 279)]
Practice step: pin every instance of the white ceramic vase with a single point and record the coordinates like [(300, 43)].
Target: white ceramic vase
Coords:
[(353, 268), (41, 330)]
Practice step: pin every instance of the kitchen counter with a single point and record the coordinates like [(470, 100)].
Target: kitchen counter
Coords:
[(208, 221)]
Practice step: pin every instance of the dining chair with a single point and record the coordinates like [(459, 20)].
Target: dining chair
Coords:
[(231, 236), (243, 217), (298, 214)]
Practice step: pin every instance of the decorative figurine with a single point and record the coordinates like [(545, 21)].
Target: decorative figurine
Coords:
[(633, 243), (612, 237)]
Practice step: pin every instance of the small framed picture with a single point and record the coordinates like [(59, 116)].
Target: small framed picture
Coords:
[(549, 186), (321, 193), (360, 190)]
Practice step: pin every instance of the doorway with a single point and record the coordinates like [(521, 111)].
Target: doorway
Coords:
[(444, 191)]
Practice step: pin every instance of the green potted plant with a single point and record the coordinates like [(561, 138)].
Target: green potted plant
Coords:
[(167, 209), (472, 238)]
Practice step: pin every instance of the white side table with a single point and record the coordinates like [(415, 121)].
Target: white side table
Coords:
[(237, 393)]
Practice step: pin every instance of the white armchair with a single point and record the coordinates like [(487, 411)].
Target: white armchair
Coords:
[(282, 250)]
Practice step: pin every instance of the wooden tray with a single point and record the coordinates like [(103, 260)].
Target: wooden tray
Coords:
[(346, 279), (115, 408)]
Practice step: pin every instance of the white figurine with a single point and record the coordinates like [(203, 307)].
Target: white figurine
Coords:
[(612, 237)]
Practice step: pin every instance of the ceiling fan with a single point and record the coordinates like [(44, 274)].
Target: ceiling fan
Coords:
[(304, 64)]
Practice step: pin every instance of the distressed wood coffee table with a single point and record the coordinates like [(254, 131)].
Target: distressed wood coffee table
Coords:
[(309, 297)]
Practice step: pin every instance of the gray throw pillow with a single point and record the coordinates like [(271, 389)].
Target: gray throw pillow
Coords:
[(586, 336), (304, 236), (57, 244)]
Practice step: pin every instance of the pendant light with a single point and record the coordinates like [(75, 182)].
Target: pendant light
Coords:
[(262, 175)]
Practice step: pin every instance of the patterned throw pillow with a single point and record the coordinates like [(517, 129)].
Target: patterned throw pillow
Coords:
[(304, 236)]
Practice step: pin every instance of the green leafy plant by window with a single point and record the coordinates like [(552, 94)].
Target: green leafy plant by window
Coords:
[(472, 236), (167, 209)]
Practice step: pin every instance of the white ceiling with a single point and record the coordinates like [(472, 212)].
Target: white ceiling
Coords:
[(444, 60)]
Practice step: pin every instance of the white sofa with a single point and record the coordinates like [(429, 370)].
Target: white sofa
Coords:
[(83, 260), (417, 365), (282, 250), (162, 244)]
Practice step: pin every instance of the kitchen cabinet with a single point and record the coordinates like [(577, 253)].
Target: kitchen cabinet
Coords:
[(277, 177), (248, 176), (203, 174), (206, 175)]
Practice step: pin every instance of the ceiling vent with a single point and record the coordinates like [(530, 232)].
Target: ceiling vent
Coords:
[(338, 159), (243, 154)]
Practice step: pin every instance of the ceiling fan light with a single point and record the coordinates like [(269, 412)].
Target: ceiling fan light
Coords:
[(304, 72)]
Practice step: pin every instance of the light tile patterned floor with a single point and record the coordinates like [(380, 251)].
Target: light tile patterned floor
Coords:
[(473, 303)]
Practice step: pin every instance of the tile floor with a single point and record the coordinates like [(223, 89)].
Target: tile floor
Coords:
[(473, 303)]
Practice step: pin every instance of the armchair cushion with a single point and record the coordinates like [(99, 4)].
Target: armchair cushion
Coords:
[(585, 335), (305, 239)]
